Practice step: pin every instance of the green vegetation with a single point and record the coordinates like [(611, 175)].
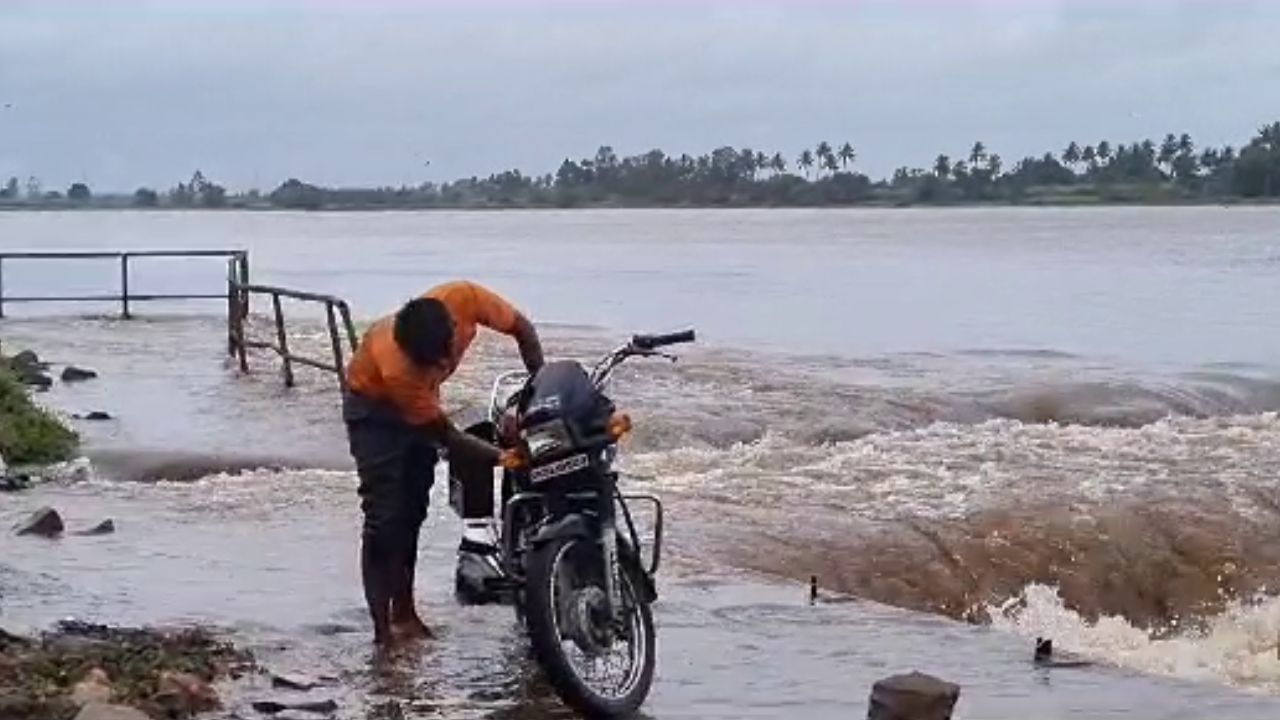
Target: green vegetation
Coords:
[(29, 434), (1174, 170)]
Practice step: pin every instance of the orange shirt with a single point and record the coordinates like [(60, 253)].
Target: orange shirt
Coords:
[(380, 371)]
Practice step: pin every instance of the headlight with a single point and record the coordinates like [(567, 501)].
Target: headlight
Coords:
[(546, 439)]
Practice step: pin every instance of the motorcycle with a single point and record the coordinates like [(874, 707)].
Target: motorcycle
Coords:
[(566, 552)]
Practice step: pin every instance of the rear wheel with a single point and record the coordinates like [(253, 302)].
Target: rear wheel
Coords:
[(600, 667)]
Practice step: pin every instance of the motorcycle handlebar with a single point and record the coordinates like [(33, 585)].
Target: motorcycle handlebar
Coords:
[(653, 342)]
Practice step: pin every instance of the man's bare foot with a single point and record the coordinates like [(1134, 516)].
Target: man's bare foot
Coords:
[(411, 628)]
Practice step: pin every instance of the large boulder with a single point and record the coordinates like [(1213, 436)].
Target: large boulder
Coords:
[(71, 373), (914, 696), (103, 711), (45, 522)]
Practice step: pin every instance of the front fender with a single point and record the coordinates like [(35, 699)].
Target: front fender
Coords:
[(569, 526)]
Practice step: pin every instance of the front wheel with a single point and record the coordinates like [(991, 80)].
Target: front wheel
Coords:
[(601, 668)]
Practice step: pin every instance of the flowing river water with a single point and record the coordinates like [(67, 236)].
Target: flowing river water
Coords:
[(975, 427)]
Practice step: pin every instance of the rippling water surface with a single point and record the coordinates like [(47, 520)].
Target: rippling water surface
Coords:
[(1030, 422)]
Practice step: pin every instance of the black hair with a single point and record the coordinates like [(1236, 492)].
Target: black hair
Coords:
[(424, 331)]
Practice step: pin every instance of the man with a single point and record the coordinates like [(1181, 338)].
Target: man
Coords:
[(395, 425)]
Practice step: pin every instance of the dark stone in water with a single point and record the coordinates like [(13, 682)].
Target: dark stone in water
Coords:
[(45, 522), (271, 707), (14, 483), (35, 379), (293, 682), (27, 359), (106, 527), (1044, 657), (30, 371), (95, 415), (914, 696), (71, 373)]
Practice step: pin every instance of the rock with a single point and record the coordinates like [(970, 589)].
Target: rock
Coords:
[(95, 687), (14, 483), (71, 373), (103, 711), (45, 522), (96, 415), (27, 360), (1044, 657), (913, 696), (35, 378), (271, 707), (293, 682), (183, 694), (106, 527)]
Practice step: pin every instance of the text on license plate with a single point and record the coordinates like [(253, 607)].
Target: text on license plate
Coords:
[(558, 468)]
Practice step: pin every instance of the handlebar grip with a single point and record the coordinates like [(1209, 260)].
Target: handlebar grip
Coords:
[(653, 342)]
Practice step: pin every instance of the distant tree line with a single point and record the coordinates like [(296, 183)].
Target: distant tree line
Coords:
[(1173, 170)]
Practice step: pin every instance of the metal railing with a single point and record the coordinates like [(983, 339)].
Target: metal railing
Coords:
[(238, 258), (336, 311), (237, 296)]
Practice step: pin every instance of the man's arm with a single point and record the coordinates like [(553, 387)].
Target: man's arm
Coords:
[(460, 444), (526, 336)]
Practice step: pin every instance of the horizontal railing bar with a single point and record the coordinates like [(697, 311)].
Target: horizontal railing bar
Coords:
[(290, 293), (112, 298), (99, 254)]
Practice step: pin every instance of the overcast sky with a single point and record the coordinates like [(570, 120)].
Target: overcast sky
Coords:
[(127, 93)]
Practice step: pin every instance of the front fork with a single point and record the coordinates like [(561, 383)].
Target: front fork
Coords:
[(609, 546)]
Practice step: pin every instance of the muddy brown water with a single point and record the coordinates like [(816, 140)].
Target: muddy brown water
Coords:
[(980, 426)]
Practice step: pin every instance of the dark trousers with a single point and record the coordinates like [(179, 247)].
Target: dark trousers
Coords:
[(396, 464)]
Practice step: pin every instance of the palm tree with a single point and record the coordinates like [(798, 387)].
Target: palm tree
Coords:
[(831, 163), (747, 161), (1185, 146), (993, 165), (1168, 150), (1071, 155), (823, 153), (942, 167), (1209, 159), (847, 155), (977, 154), (762, 160), (806, 161), (779, 163), (1104, 151), (1269, 136), (1090, 157)]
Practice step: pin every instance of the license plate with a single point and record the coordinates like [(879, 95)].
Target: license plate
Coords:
[(558, 468)]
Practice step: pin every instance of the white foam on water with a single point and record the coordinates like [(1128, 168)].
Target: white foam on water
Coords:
[(950, 469), (1239, 647)]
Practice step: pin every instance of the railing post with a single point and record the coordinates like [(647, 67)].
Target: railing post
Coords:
[(243, 262), (352, 340), (283, 339), (336, 340), (232, 310), (124, 285)]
